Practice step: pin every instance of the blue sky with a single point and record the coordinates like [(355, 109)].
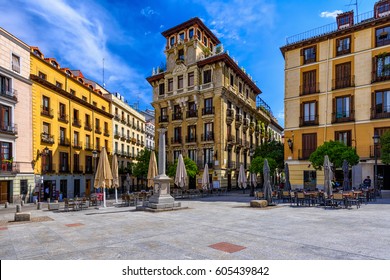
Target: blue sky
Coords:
[(127, 35)]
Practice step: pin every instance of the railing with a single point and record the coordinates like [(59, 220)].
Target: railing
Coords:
[(309, 89), (62, 141), (77, 145), (62, 117), (208, 111), (9, 167), (379, 77), (117, 134), (77, 168), (208, 136), (116, 117), (383, 112), (11, 94), (64, 169), (308, 120), (87, 126), (98, 130), (76, 122), (47, 138), (9, 128), (176, 140), (177, 116), (88, 147), (344, 82), (238, 119), (106, 132), (192, 114), (231, 165), (231, 138), (163, 119), (49, 168), (45, 111), (190, 139), (344, 116)]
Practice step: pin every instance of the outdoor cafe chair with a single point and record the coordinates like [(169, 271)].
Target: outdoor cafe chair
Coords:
[(259, 195), (68, 204), (353, 199), (286, 197), (300, 198), (338, 199)]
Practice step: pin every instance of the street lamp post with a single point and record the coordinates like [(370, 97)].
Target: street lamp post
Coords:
[(251, 153), (94, 155), (376, 141)]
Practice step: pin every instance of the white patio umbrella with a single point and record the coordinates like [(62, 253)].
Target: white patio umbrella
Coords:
[(205, 178), (115, 176), (242, 178), (127, 183), (181, 173), (152, 170), (267, 189), (103, 177)]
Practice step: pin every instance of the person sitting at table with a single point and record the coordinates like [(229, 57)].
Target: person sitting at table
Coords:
[(367, 182)]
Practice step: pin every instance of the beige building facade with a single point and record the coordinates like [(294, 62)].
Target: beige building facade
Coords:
[(207, 102), (16, 174), (337, 87)]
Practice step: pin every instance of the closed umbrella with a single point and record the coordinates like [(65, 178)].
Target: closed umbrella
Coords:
[(242, 178), (345, 173), (115, 176), (328, 176), (267, 184), (103, 177), (152, 170), (205, 178), (127, 183), (287, 185), (181, 173)]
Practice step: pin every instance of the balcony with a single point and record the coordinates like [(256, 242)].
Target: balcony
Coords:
[(48, 168), (98, 130), (8, 128), (10, 94), (76, 122), (77, 168), (178, 116), (128, 139), (117, 135), (47, 138), (231, 139), (9, 167), (176, 140), (77, 145), (382, 112), (46, 112), (229, 115), (345, 82), (208, 136), (379, 77), (309, 89), (87, 126), (116, 117), (62, 141), (231, 165), (88, 147), (191, 139), (63, 117), (208, 111), (245, 124), (201, 164), (238, 120), (64, 168), (308, 120), (163, 119), (123, 120), (339, 117), (192, 114), (106, 132)]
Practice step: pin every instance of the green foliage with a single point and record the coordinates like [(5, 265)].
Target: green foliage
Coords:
[(257, 165), (271, 150), (191, 168), (140, 169), (385, 147), (337, 153)]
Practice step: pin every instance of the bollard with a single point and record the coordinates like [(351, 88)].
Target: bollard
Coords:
[(22, 203), (18, 208), (39, 206), (6, 204)]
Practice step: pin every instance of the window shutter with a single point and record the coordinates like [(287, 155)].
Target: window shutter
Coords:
[(374, 74)]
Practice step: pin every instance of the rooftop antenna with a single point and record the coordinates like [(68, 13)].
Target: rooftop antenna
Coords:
[(104, 85), (357, 10)]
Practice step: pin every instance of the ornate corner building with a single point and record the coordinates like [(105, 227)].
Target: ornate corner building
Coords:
[(207, 103), (337, 87)]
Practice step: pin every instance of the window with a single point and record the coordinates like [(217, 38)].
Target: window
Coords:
[(247, 93), (309, 145), (62, 136), (381, 104), (180, 82), (382, 9), (208, 132), (207, 76), (76, 139), (84, 98), (170, 85), (76, 120), (46, 128), (190, 79), (180, 55), (172, 41), (382, 67), (97, 145), (177, 135), (192, 155), (177, 115), (240, 87), (191, 33), (164, 114), (208, 155), (72, 92), (15, 63), (344, 137), (382, 36), (309, 82), (6, 155), (5, 86), (181, 37), (64, 167), (42, 75), (309, 113), (58, 84), (45, 104), (23, 187), (205, 41), (5, 118), (97, 125), (343, 108), (62, 112), (343, 76), (343, 46), (191, 136), (309, 55), (88, 142), (208, 106), (199, 34), (192, 110), (76, 163), (231, 80), (176, 155), (161, 89)]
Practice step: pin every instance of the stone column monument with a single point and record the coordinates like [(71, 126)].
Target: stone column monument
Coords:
[(161, 198)]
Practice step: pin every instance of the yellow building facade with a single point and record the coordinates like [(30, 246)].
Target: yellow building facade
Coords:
[(337, 87), (71, 120), (207, 103)]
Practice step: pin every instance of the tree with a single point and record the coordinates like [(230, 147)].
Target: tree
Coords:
[(337, 152), (271, 150), (140, 169), (191, 168), (257, 165), (385, 147)]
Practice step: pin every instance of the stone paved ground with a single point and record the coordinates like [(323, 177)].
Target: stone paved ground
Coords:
[(216, 227)]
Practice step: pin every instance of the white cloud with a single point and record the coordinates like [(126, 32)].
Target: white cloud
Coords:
[(148, 12), (330, 14)]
